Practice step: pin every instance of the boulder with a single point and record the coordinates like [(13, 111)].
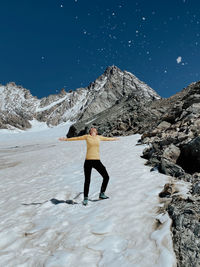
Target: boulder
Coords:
[(171, 153), (169, 168), (163, 125)]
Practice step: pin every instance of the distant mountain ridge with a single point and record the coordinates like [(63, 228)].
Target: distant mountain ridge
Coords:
[(18, 106)]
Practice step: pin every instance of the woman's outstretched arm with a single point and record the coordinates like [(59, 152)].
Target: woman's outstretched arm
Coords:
[(103, 138), (82, 137)]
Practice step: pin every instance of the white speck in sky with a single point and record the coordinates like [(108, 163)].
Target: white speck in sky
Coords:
[(42, 57), (61, 5), (179, 59), (143, 18), (165, 71), (136, 31)]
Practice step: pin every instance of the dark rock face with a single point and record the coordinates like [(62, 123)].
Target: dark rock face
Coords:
[(175, 150), (189, 158), (170, 168), (111, 87), (128, 116), (185, 215)]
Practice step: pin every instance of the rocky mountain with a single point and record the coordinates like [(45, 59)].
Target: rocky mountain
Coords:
[(18, 106), (174, 149)]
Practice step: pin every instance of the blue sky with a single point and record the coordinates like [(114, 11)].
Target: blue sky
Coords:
[(47, 45)]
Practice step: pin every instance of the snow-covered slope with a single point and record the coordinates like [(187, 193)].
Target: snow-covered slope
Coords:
[(18, 106), (39, 228)]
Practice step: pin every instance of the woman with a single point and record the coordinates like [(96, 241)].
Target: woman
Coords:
[(92, 160)]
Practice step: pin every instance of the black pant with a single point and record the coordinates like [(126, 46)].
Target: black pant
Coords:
[(97, 164)]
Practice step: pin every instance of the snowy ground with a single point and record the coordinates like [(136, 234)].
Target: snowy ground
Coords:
[(37, 228)]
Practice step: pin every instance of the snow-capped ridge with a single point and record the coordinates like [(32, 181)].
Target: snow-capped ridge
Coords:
[(19, 105)]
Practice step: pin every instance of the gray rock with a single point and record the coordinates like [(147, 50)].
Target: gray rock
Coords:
[(163, 125), (169, 168), (186, 231), (196, 188), (171, 153)]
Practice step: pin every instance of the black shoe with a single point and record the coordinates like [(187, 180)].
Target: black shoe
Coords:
[(85, 201), (103, 196)]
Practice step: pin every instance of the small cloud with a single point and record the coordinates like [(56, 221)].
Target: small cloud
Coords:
[(179, 59)]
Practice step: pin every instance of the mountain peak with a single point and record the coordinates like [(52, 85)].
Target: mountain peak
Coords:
[(112, 69)]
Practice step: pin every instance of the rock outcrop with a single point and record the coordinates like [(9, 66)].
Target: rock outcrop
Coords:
[(174, 149)]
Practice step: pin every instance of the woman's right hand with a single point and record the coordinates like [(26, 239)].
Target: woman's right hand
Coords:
[(61, 138)]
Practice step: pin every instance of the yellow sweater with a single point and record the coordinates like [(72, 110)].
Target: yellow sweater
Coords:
[(92, 144)]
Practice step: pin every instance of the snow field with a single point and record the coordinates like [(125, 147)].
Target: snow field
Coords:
[(119, 231)]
